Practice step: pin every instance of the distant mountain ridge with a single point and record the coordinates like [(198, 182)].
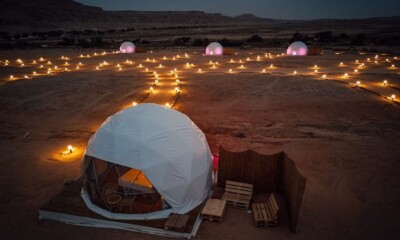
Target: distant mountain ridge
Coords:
[(71, 14)]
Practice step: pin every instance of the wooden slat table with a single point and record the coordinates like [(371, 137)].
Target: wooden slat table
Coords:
[(214, 210), (177, 222)]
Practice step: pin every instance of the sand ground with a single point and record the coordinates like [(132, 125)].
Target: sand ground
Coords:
[(344, 140)]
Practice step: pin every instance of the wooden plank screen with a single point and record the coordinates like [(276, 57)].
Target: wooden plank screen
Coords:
[(294, 185), (268, 173)]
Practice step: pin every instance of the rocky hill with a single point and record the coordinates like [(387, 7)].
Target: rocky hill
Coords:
[(55, 14)]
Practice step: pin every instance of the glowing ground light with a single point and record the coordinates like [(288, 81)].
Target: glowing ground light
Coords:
[(294, 72), (11, 77), (134, 103), (167, 105), (345, 75), (230, 70), (392, 97), (199, 70), (385, 82), (151, 89), (70, 148), (358, 83), (323, 76)]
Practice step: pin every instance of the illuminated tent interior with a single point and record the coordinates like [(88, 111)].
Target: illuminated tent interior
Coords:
[(127, 47), (146, 162), (297, 49), (214, 48)]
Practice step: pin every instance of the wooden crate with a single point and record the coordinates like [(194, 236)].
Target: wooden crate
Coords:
[(177, 222), (214, 210), (238, 194), (266, 214)]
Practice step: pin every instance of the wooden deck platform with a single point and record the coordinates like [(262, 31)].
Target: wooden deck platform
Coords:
[(69, 207)]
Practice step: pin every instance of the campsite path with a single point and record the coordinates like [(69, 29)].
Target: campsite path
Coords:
[(164, 92)]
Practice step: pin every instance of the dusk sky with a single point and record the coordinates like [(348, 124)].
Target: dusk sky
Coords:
[(278, 9)]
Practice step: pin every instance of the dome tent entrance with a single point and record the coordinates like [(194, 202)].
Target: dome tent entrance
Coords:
[(160, 147)]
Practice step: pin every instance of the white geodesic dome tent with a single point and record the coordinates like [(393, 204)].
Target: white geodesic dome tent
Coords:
[(297, 49), (214, 48), (127, 47), (161, 143)]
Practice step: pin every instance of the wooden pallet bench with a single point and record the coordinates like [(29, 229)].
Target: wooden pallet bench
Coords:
[(177, 222), (266, 214), (238, 194), (214, 210)]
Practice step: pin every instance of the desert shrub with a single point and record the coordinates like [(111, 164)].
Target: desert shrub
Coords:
[(181, 41), (255, 38), (359, 39), (197, 42), (324, 37), (67, 42), (300, 37)]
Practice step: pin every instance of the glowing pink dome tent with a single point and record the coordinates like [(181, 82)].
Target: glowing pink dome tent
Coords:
[(127, 47), (214, 48), (297, 49)]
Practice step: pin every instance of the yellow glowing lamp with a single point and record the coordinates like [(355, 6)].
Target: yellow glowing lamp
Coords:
[(346, 75), (315, 66), (80, 64), (146, 69), (177, 81), (173, 58), (355, 71), (230, 70), (271, 66), (358, 83), (34, 73), (26, 77), (263, 70), (41, 59), (77, 67), (97, 68), (393, 97), (248, 59), (323, 76), (70, 148), (134, 104), (385, 82), (165, 58), (315, 71), (393, 66), (295, 73), (199, 70), (232, 61), (167, 105)]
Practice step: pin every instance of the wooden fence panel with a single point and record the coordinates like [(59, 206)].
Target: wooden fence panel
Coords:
[(267, 173)]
